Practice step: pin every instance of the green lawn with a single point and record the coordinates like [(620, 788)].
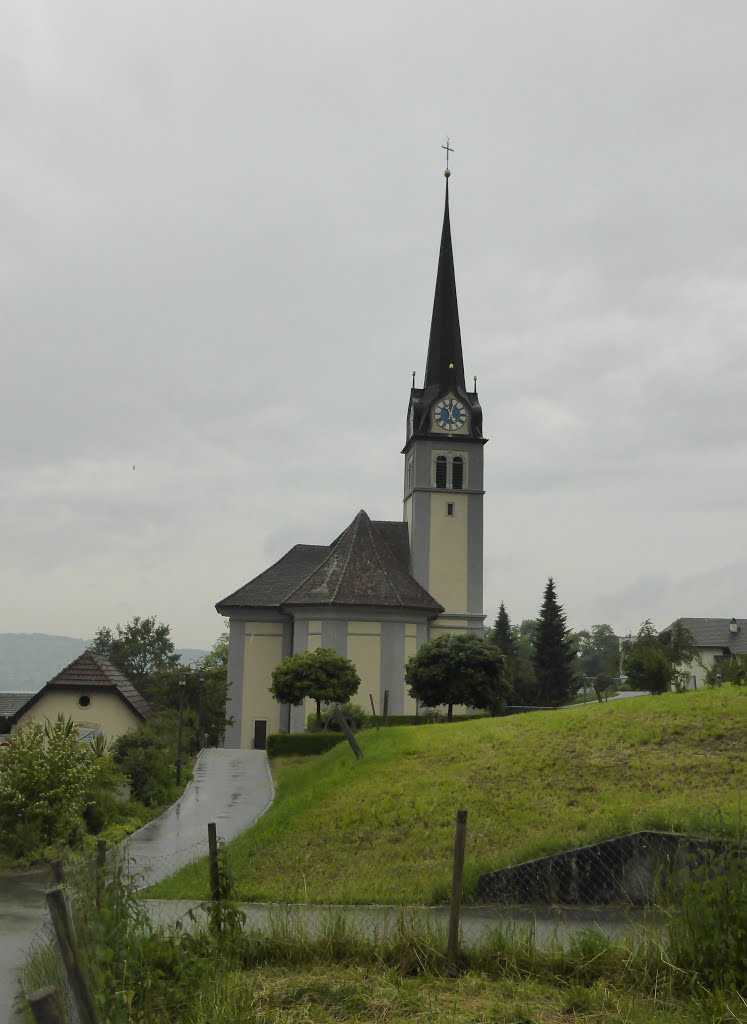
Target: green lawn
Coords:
[(381, 830)]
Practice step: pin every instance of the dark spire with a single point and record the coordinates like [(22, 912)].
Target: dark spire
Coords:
[(445, 365)]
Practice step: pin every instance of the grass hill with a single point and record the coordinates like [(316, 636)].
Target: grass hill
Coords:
[(381, 830)]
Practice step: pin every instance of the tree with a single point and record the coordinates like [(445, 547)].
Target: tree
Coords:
[(321, 675), (554, 655), (516, 646), (524, 675), (680, 648), (458, 669), (139, 648), (598, 651), (646, 664)]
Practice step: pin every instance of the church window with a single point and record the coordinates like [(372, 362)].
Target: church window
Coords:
[(449, 508), (449, 471), (409, 475)]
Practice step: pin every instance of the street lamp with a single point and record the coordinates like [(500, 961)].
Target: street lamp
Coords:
[(182, 687), (203, 738)]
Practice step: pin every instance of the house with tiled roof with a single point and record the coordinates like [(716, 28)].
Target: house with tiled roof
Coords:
[(716, 640), (93, 693), (381, 588)]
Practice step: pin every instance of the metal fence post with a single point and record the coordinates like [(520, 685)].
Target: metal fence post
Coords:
[(452, 946), (63, 928), (45, 1006), (215, 893)]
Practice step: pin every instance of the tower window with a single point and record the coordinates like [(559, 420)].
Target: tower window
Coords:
[(450, 471), (449, 508)]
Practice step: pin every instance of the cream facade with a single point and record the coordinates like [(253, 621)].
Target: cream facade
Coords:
[(106, 712)]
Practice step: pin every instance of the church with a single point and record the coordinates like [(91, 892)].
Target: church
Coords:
[(380, 589)]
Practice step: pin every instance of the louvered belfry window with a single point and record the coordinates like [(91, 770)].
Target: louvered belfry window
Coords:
[(442, 465), (457, 473)]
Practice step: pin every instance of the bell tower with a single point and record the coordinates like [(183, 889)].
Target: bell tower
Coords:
[(443, 488)]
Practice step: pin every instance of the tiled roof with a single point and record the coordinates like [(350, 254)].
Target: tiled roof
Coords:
[(716, 633), (361, 569), (12, 702), (93, 671), (368, 564), (271, 587)]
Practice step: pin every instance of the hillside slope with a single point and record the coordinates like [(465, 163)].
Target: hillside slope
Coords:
[(382, 830)]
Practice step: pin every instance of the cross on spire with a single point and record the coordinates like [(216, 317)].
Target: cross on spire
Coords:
[(449, 149)]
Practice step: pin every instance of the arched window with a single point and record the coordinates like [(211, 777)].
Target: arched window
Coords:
[(450, 471)]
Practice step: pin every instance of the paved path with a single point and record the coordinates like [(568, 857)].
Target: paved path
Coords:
[(230, 787)]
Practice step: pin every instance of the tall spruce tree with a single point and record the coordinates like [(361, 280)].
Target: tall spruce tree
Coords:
[(553, 652), (502, 635)]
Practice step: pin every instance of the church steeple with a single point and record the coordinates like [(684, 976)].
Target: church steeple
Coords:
[(444, 367)]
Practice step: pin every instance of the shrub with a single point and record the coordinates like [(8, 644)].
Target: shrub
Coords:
[(283, 744), (46, 781), (708, 928), (147, 755)]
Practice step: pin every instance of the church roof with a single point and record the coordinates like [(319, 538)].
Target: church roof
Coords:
[(445, 364), (91, 671), (368, 564)]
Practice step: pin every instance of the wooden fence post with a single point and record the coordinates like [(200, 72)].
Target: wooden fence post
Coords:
[(348, 733), (386, 707), (215, 893), (373, 711), (45, 1006), (63, 928), (452, 946)]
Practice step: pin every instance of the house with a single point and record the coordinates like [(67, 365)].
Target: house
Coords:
[(382, 588), (10, 703), (91, 691), (716, 640)]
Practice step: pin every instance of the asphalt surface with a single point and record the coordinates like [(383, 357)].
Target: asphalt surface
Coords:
[(230, 787)]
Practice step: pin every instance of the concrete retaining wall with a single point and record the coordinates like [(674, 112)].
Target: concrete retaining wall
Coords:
[(624, 870)]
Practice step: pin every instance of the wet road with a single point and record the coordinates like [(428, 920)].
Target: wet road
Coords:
[(545, 925), (21, 912), (230, 787)]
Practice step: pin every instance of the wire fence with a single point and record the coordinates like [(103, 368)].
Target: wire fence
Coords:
[(102, 907)]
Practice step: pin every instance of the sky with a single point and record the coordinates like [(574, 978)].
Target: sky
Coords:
[(219, 229)]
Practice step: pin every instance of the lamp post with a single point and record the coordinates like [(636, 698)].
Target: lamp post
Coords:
[(201, 710), (182, 687)]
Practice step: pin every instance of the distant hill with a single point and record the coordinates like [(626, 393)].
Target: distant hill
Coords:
[(29, 660)]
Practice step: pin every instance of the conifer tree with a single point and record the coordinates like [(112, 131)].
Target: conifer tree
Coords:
[(502, 635), (553, 652)]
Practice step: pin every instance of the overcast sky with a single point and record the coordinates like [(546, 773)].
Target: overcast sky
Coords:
[(219, 229)]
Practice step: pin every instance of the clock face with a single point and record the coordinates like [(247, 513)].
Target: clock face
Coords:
[(450, 414)]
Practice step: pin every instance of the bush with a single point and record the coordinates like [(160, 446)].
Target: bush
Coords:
[(283, 744), (46, 783), (355, 715), (147, 756), (708, 926)]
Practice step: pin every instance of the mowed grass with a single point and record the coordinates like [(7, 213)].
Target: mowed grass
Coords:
[(359, 995), (381, 830)]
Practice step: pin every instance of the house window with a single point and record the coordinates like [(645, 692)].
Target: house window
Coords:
[(450, 471), (84, 701)]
